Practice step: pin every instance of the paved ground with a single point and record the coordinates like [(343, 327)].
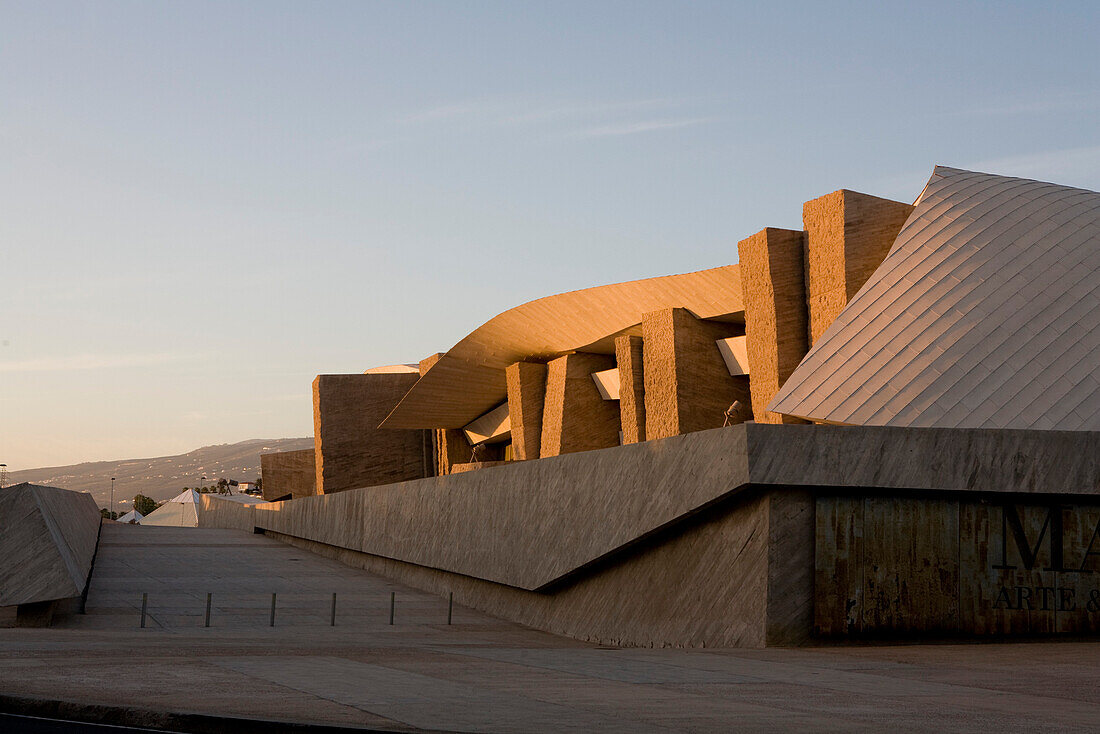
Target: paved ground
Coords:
[(482, 674)]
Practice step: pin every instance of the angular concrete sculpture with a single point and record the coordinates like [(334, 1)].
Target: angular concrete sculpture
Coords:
[(47, 543)]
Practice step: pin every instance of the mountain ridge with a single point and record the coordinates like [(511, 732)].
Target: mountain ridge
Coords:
[(160, 477)]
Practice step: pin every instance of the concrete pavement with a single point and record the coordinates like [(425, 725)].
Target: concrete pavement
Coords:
[(479, 673)]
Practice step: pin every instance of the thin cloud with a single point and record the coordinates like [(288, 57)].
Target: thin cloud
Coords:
[(646, 126), (1035, 105), (88, 362), (1073, 166)]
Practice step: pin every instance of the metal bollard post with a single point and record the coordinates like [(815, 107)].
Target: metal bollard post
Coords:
[(207, 622), (393, 595), (450, 605), (144, 603), (272, 609), (333, 622)]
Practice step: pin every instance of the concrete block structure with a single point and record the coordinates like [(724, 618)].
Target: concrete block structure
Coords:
[(687, 384), (526, 398), (350, 450), (629, 358), (776, 313), (288, 474), (847, 236), (574, 416), (589, 477)]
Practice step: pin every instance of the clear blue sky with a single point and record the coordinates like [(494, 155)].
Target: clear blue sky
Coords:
[(205, 204)]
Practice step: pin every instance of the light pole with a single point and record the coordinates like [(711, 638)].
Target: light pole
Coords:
[(203, 486), (113, 498)]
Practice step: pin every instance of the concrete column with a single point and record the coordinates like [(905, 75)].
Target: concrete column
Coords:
[(628, 355), (687, 385), (776, 319), (848, 235), (526, 397), (575, 417)]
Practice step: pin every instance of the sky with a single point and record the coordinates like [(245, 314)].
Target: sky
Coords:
[(203, 205)]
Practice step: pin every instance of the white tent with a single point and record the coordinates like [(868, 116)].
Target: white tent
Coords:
[(133, 516), (177, 512), (182, 511)]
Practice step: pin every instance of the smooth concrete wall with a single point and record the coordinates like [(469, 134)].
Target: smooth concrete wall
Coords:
[(350, 450), (701, 539), (47, 543), (291, 473)]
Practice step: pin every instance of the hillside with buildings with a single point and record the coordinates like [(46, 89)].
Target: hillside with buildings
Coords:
[(164, 476)]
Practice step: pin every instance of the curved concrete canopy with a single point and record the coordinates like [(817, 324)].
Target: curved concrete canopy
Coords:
[(468, 380), (984, 314)]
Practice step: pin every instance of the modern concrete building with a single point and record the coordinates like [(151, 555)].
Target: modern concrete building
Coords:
[(605, 483)]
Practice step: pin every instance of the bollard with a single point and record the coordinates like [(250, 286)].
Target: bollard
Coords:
[(144, 602), (450, 605), (272, 609), (393, 595), (332, 623), (207, 622)]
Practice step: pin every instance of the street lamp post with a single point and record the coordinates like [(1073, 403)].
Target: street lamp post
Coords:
[(113, 498), (203, 485)]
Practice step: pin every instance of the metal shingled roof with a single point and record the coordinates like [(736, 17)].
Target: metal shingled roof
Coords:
[(985, 314)]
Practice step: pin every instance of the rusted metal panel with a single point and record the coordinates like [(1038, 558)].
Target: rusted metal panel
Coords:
[(910, 568), (838, 576), (902, 565)]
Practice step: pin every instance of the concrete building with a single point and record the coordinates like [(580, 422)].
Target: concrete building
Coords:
[(647, 462)]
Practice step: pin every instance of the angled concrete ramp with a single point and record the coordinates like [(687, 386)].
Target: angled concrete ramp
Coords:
[(47, 541)]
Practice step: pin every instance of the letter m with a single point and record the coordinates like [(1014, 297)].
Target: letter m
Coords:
[(1010, 522)]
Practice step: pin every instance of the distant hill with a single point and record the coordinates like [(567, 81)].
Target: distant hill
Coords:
[(164, 476)]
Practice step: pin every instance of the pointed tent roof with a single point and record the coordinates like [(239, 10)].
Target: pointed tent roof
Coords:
[(984, 314), (131, 516)]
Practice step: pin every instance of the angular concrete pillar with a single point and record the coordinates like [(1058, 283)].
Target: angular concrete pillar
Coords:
[(526, 397), (628, 355), (687, 385), (575, 417), (439, 439), (350, 450), (776, 319), (847, 237)]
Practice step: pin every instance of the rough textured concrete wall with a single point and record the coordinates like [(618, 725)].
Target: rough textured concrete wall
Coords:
[(526, 397), (847, 236), (351, 451), (628, 356), (687, 385), (574, 416), (288, 472), (776, 319)]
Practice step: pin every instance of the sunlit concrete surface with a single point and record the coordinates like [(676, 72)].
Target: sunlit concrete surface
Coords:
[(482, 674)]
